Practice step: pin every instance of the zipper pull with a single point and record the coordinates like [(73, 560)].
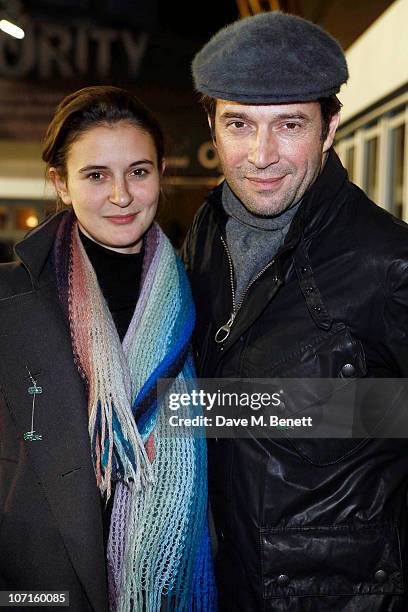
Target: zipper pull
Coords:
[(224, 331)]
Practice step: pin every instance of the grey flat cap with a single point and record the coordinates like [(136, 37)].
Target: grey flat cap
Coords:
[(270, 58)]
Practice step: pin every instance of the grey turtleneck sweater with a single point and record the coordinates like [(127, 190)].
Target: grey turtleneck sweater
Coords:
[(252, 240)]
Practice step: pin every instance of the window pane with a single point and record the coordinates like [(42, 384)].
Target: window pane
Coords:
[(397, 160), (349, 162), (371, 172)]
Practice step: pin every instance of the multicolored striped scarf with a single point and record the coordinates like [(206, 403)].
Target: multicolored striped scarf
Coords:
[(159, 549)]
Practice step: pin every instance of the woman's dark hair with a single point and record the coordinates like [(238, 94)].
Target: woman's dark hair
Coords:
[(328, 107), (91, 107)]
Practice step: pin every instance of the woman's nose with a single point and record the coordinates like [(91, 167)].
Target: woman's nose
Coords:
[(120, 195)]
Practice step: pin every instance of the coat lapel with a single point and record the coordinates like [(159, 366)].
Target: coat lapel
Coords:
[(34, 337)]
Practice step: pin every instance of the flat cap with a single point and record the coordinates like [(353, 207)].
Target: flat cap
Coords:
[(270, 58)]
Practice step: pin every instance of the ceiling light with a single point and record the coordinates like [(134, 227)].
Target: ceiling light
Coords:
[(10, 28)]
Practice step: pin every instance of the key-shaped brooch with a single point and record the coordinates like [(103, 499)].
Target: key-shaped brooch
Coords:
[(33, 390)]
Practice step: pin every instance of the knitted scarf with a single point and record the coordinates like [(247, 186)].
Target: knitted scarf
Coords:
[(159, 547)]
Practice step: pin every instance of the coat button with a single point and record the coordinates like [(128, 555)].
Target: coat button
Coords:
[(303, 269), (283, 580), (309, 289), (380, 576), (348, 370)]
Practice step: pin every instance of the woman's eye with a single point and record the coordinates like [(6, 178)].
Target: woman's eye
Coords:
[(139, 172), (95, 176)]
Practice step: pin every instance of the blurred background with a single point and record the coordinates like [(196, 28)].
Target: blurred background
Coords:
[(49, 48)]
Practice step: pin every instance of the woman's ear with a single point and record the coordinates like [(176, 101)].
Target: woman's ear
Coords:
[(162, 167), (60, 185)]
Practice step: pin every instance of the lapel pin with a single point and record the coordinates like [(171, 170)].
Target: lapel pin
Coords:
[(33, 390)]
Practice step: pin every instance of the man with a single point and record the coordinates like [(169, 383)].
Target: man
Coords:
[(296, 274)]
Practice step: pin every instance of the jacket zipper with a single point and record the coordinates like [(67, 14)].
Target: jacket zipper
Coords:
[(224, 331)]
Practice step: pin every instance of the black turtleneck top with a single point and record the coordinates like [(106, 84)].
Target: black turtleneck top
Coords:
[(118, 276)]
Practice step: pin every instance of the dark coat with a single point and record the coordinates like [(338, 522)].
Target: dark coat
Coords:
[(314, 525), (50, 513)]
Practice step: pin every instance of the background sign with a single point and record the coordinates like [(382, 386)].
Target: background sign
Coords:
[(142, 46)]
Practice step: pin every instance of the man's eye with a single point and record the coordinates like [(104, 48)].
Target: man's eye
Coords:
[(290, 125), (237, 124)]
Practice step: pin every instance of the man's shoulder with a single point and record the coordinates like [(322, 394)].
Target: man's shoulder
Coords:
[(375, 212), (211, 208), (373, 227), (203, 229), (208, 216)]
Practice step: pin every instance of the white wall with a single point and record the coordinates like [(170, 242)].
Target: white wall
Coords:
[(22, 173), (378, 61)]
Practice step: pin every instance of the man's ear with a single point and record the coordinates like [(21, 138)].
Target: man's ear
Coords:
[(60, 186), (212, 130), (333, 125)]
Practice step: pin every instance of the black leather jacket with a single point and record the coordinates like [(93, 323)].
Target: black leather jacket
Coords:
[(315, 525)]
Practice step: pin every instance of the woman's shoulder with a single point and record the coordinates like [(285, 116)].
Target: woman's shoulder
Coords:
[(14, 279)]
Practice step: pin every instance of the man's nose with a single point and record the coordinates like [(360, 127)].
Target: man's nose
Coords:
[(120, 194), (264, 149)]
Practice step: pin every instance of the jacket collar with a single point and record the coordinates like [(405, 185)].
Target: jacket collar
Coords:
[(34, 249), (318, 206)]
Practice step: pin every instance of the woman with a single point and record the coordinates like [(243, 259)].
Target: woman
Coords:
[(96, 311)]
